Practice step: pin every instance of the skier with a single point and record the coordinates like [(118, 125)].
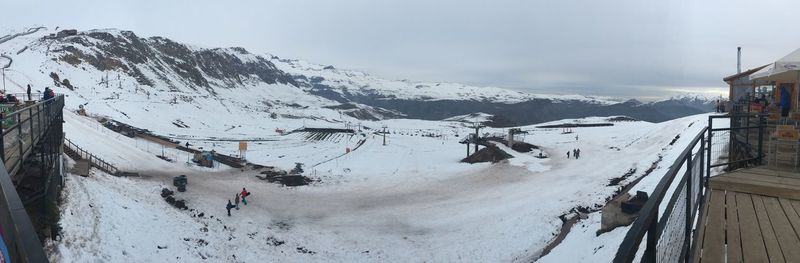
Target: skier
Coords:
[(229, 206), (578, 153), (236, 201), (245, 193), (567, 154)]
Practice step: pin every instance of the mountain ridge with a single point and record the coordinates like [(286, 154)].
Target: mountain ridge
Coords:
[(185, 73)]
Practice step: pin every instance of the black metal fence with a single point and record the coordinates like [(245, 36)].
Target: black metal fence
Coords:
[(22, 130), (669, 236), (736, 140), (731, 141), (24, 127)]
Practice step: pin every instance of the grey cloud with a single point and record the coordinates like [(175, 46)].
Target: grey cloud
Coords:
[(632, 49)]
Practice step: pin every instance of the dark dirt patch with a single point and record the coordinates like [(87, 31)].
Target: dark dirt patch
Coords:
[(522, 147), (168, 196), (617, 180), (576, 125), (305, 251), (487, 154), (675, 139), (621, 118), (284, 178), (280, 225), (272, 241)]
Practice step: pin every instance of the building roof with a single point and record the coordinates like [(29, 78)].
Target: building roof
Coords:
[(744, 73)]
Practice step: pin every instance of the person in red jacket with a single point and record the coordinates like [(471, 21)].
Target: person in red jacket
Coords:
[(244, 194)]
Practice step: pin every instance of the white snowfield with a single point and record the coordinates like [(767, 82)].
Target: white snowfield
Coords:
[(410, 200)]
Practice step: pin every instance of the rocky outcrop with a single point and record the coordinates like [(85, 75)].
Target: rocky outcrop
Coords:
[(197, 68)]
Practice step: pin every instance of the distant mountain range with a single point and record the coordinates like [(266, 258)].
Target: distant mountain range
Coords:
[(115, 64)]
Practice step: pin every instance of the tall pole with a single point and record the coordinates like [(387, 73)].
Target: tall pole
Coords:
[(477, 127), (384, 135)]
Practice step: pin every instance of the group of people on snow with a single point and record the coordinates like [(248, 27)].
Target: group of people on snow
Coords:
[(242, 195), (575, 153)]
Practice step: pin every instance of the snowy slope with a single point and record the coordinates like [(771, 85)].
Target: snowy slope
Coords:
[(407, 201)]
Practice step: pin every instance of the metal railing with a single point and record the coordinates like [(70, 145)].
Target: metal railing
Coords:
[(669, 237), (19, 236), (739, 145), (21, 130), (93, 160)]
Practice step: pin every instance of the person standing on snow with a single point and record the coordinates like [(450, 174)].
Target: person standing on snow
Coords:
[(567, 154), (29, 92), (236, 201), (245, 193), (229, 206)]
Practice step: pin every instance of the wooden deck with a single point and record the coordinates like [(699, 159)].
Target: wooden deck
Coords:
[(750, 215)]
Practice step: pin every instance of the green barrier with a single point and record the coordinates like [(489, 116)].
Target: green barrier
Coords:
[(7, 109)]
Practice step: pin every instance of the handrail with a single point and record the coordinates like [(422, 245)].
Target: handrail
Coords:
[(669, 237), (647, 223), (29, 129), (17, 231), (28, 126), (759, 144), (93, 159)]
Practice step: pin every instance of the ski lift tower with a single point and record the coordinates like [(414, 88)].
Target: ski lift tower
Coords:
[(476, 137), (384, 134), (511, 133)]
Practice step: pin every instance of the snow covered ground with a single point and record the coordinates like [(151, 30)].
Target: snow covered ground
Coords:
[(410, 200)]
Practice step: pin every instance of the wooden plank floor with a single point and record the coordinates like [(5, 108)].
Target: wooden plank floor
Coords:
[(750, 215)]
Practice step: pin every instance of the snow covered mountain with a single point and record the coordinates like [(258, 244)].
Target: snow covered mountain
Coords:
[(397, 196), (437, 101), (111, 69)]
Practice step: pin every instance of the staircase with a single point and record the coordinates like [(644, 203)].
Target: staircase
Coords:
[(85, 159), (72, 154)]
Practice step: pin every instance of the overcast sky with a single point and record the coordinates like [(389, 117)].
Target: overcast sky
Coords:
[(641, 49)]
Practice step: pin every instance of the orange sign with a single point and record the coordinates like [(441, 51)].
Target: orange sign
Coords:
[(242, 146)]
